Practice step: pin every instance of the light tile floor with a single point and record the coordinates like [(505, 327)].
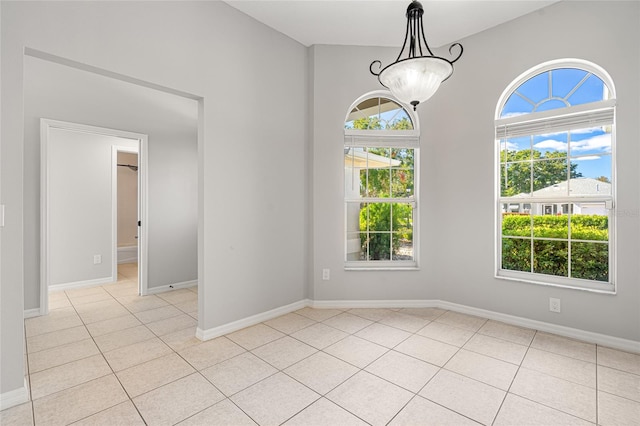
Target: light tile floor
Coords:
[(105, 356)]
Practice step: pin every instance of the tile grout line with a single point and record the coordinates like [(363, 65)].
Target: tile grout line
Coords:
[(597, 391), (112, 372), (514, 378), (387, 351)]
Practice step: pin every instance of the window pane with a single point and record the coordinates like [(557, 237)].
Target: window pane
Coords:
[(401, 183), (378, 183), (356, 247), (549, 222), (516, 225), (564, 80), (404, 249), (515, 105), (592, 141), (379, 246), (551, 145), (402, 225), (354, 213), (593, 175), (536, 88), (515, 179), (590, 261), (516, 254), (547, 173), (592, 90), (402, 158), (590, 221), (518, 149), (550, 257)]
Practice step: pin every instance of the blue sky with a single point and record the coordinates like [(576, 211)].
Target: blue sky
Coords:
[(590, 148)]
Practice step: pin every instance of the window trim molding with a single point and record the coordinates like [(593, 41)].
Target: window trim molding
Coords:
[(534, 122)]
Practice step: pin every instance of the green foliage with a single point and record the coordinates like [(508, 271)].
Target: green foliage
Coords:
[(516, 254), (589, 260), (549, 168), (550, 257), (394, 181), (583, 227), (383, 226)]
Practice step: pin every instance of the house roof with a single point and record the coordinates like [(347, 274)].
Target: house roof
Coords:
[(359, 158), (580, 187)]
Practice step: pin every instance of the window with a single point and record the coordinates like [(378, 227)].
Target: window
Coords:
[(555, 156), (380, 184)]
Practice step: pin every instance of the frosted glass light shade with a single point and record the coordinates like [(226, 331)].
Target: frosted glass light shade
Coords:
[(415, 80)]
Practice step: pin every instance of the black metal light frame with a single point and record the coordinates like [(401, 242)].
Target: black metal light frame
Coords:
[(414, 35)]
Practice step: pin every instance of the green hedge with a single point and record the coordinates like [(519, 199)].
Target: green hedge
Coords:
[(583, 227), (589, 260)]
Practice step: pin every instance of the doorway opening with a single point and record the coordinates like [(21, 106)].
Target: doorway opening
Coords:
[(127, 216), (79, 200)]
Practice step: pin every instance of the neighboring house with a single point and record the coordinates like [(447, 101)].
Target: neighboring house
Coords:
[(579, 187)]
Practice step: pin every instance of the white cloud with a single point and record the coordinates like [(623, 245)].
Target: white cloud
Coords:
[(513, 114), (586, 158), (511, 146), (597, 143), (573, 132), (552, 144)]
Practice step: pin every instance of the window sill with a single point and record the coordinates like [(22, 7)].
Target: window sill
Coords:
[(386, 267), (573, 284)]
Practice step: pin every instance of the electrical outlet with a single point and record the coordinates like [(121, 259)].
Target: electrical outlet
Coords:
[(554, 304), (326, 274), (97, 259)]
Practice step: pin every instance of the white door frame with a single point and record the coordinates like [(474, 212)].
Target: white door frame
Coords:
[(142, 139)]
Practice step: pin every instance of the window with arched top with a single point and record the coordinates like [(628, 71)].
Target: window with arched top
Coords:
[(381, 143), (555, 157)]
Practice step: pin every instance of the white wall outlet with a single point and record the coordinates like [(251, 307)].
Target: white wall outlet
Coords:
[(554, 304), (97, 259), (326, 274)]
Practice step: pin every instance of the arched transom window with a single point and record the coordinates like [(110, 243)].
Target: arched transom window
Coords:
[(556, 176), (380, 160)]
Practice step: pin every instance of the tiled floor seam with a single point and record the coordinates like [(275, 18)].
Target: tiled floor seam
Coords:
[(110, 366), (597, 389), (513, 380)]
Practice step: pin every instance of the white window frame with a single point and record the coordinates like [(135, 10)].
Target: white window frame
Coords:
[(562, 119), (397, 139)]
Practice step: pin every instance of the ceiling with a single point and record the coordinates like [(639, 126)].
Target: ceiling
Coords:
[(381, 22)]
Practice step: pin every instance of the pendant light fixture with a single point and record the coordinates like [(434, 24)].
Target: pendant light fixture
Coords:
[(415, 77)]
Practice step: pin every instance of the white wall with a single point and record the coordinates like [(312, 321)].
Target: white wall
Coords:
[(67, 94), (341, 75), (457, 259), (80, 205), (128, 200), (252, 198)]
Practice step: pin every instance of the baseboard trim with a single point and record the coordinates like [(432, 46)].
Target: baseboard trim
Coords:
[(169, 287), (30, 313), (14, 397), (561, 330), (351, 304), (127, 254), (212, 333), (80, 284), (574, 333)]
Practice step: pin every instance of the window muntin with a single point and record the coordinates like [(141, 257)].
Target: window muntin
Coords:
[(555, 89), (381, 154), (555, 138)]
